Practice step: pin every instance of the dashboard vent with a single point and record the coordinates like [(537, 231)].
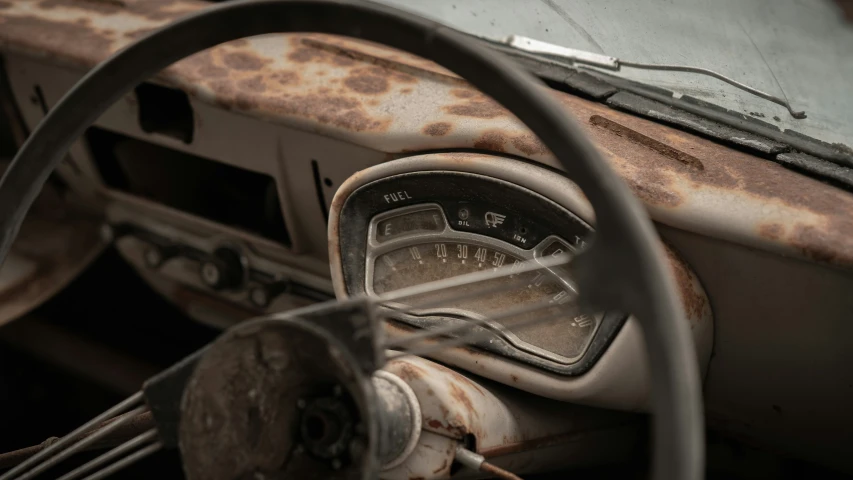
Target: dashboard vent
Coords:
[(166, 111), (222, 193)]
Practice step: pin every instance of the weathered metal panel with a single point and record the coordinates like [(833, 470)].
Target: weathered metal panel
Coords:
[(395, 103), (502, 423), (780, 375)]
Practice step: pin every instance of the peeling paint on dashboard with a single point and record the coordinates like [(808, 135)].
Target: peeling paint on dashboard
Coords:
[(396, 103)]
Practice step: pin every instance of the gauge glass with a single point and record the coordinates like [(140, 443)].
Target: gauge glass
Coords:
[(418, 263)]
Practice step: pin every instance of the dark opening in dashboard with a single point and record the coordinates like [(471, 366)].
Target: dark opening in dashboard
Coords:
[(222, 193)]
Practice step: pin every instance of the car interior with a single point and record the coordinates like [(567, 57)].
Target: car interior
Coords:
[(351, 239)]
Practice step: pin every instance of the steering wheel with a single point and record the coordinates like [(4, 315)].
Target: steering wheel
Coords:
[(623, 269)]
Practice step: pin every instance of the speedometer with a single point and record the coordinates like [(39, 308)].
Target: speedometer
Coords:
[(419, 262), (413, 229), (415, 245)]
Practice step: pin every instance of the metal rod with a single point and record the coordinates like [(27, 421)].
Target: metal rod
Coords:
[(498, 472), (575, 56), (108, 456), (124, 462), (477, 462), (469, 459), (718, 76), (68, 439), (10, 459), (76, 447), (138, 424)]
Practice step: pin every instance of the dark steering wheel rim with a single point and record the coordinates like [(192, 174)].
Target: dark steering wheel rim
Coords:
[(624, 269)]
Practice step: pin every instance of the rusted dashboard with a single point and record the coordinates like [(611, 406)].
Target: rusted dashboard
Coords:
[(226, 182)]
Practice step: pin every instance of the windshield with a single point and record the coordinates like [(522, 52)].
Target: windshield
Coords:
[(800, 50)]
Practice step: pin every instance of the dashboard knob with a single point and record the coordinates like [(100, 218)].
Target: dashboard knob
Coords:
[(259, 296), (224, 269), (153, 257)]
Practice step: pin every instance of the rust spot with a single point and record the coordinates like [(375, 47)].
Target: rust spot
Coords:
[(342, 60), (212, 71), (477, 109), (306, 54), (79, 44), (437, 129), (514, 378), (814, 243), (134, 34), (101, 6), (694, 302), (454, 427), (150, 9), (460, 396), (404, 78), (493, 140), (406, 67), (338, 111), (652, 190), (406, 90), (451, 430), (254, 84), (244, 61), (529, 144), (645, 141), (464, 93), (379, 71), (773, 231), (367, 84), (306, 51), (471, 384), (442, 467), (409, 372)]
